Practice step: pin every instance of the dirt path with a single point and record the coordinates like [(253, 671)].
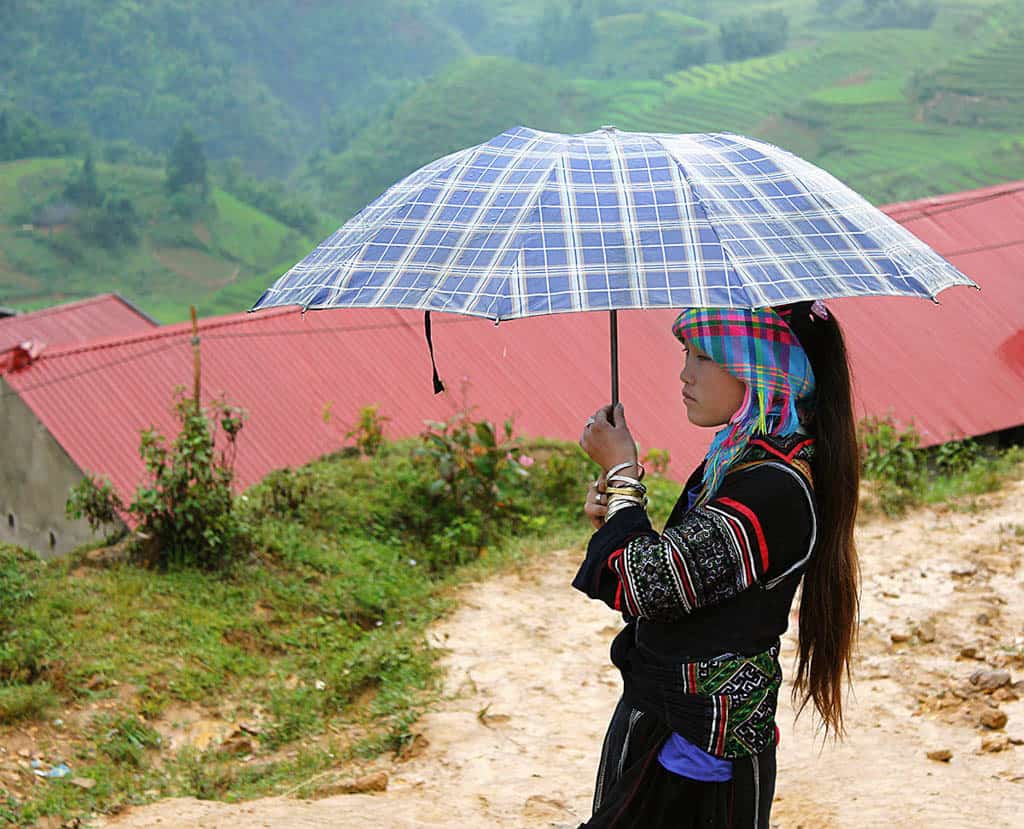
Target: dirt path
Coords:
[(516, 743)]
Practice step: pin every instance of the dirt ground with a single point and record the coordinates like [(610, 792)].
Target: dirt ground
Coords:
[(528, 691)]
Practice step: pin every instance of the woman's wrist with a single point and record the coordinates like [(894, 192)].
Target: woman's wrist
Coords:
[(628, 467)]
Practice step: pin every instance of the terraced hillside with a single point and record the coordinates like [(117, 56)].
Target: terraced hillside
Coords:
[(897, 113), (176, 261)]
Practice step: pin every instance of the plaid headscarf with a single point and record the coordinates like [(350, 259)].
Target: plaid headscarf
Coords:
[(759, 348)]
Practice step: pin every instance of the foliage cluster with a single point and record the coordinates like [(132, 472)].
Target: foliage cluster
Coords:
[(368, 432), (24, 136), (561, 35), (750, 36), (185, 513), (270, 196), (904, 474), (353, 556), (883, 14)]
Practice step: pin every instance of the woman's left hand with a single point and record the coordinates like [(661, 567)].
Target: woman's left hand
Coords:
[(607, 439)]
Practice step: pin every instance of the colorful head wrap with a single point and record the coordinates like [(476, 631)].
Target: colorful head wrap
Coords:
[(759, 348)]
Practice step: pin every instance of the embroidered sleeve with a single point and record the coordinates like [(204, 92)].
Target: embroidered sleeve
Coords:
[(758, 529), (715, 552)]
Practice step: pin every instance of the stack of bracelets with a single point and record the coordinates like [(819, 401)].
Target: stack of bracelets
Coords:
[(623, 491)]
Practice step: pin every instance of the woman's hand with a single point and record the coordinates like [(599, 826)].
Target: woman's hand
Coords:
[(607, 439), (596, 506)]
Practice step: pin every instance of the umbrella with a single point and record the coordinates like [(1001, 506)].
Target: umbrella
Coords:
[(533, 223)]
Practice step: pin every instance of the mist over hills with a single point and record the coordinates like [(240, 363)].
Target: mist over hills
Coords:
[(307, 110)]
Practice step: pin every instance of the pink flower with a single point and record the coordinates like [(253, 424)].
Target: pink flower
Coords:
[(525, 460)]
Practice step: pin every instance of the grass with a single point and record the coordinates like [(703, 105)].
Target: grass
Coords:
[(317, 638), (897, 114), (176, 262), (901, 476)]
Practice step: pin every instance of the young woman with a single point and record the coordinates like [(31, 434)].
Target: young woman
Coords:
[(692, 740)]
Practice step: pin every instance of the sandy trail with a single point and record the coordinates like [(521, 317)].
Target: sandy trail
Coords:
[(529, 689)]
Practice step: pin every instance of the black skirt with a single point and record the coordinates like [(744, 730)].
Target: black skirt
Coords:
[(634, 791)]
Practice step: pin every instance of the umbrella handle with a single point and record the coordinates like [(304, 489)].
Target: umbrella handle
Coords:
[(614, 332)]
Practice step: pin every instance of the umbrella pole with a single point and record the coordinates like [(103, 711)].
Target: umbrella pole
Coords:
[(615, 356)]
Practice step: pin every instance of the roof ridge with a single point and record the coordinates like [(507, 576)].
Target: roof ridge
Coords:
[(176, 329), (956, 199), (66, 306)]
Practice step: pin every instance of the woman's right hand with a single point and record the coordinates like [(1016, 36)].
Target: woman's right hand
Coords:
[(596, 506)]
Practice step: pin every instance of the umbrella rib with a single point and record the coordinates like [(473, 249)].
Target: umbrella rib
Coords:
[(699, 204), (518, 298), (629, 211)]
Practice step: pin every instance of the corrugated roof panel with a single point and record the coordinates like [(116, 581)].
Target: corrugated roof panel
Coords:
[(107, 315), (938, 365)]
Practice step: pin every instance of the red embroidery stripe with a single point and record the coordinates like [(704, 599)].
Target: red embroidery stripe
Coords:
[(749, 513), (741, 542), (617, 560), (723, 718), (792, 454), (677, 562)]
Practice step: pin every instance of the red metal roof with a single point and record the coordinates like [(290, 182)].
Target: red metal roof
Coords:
[(106, 315), (954, 369)]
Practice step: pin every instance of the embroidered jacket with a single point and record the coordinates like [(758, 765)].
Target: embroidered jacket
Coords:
[(706, 600)]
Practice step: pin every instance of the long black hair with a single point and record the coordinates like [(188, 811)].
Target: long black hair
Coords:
[(830, 596)]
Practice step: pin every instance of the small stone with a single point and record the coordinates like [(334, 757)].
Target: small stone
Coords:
[(1005, 694), (964, 572), (994, 742), (993, 718), (969, 652), (83, 782), (990, 680), (376, 782), (983, 619), (941, 755), (237, 744), (926, 632), (899, 637)]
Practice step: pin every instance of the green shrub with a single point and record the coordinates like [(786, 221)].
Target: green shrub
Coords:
[(185, 512), (889, 454), (17, 567), (956, 456), (283, 493), (476, 477), (125, 739), (368, 431), (25, 702)]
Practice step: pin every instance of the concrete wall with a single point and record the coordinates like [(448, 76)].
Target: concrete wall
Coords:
[(36, 475)]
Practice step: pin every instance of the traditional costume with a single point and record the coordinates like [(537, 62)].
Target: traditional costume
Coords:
[(692, 741)]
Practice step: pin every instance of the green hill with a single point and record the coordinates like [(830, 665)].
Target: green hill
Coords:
[(46, 256), (340, 101)]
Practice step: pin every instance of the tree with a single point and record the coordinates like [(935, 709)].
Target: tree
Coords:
[(114, 224), (186, 165), (83, 189), (898, 14), (749, 37), (560, 38)]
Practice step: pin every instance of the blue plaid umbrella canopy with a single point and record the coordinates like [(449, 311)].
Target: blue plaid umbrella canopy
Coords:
[(533, 223)]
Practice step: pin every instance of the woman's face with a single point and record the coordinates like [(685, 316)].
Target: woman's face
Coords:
[(711, 394)]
